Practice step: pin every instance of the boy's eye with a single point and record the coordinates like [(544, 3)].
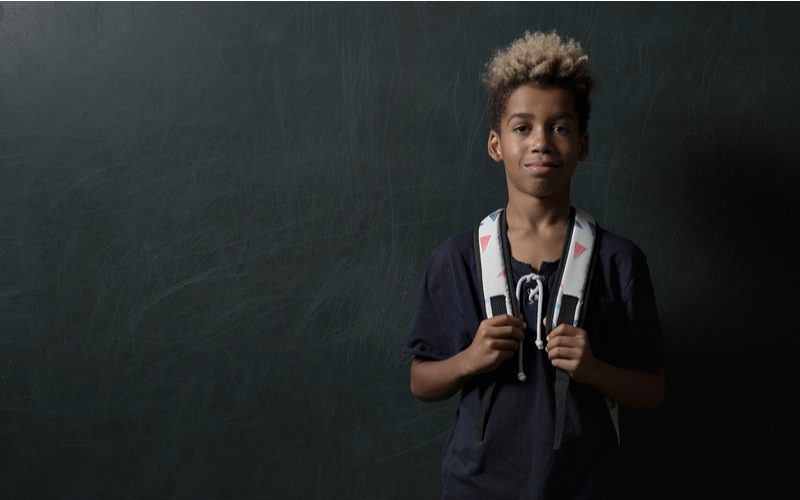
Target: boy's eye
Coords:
[(561, 130), (521, 128)]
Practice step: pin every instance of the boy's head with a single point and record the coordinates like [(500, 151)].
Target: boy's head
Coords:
[(538, 109), (541, 60)]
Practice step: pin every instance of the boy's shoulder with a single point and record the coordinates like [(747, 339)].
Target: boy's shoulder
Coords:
[(458, 244), (621, 257), (615, 245), (456, 249)]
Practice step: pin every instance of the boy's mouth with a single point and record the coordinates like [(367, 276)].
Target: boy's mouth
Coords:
[(540, 168)]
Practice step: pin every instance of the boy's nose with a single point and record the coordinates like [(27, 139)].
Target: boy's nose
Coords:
[(540, 140)]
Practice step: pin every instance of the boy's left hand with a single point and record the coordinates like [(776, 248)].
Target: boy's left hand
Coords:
[(568, 348)]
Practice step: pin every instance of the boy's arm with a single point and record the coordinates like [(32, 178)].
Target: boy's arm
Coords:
[(568, 348), (496, 340), (635, 389), (433, 380)]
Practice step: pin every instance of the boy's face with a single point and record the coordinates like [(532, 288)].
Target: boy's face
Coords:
[(539, 142)]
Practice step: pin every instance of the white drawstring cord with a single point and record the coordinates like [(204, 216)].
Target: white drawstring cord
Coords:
[(537, 294)]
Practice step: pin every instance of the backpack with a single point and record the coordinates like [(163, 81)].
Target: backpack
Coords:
[(493, 261)]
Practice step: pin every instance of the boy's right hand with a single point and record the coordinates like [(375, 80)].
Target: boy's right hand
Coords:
[(496, 340)]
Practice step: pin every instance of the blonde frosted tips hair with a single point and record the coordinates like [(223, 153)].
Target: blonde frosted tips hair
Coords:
[(542, 60)]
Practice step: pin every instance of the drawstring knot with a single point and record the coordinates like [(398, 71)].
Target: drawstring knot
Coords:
[(533, 294)]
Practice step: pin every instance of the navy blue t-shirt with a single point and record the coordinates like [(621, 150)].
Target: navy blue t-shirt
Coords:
[(512, 456)]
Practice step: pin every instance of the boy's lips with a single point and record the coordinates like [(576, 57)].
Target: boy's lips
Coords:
[(540, 168)]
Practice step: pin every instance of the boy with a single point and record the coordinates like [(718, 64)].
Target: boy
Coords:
[(502, 446)]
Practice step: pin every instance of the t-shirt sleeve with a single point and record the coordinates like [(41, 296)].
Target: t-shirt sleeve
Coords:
[(643, 345), (443, 319)]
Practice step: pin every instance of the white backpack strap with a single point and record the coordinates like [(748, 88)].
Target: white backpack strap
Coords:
[(491, 256), (574, 274), (613, 411), (577, 261), (575, 280), (489, 247)]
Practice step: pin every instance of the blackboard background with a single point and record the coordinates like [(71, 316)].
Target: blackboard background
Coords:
[(214, 220)]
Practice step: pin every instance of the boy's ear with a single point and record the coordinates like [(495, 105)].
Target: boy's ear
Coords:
[(583, 150), (494, 146)]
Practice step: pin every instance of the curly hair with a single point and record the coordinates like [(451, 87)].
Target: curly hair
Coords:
[(538, 59)]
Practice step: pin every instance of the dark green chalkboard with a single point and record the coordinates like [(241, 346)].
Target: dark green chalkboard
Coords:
[(214, 220)]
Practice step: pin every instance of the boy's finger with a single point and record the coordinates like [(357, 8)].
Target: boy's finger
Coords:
[(561, 341), (508, 331), (562, 352), (505, 345), (507, 319), (499, 319), (516, 321), (559, 330)]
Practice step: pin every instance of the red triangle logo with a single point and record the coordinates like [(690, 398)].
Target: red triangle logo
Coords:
[(501, 274), (484, 242), (579, 249)]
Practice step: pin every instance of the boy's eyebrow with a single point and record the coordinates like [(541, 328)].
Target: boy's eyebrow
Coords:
[(556, 116)]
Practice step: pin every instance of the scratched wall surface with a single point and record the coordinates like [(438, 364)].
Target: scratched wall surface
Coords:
[(214, 220)]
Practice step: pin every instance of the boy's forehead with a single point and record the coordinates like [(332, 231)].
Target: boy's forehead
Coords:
[(529, 100)]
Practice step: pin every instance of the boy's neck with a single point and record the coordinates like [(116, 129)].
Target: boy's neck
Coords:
[(537, 215), (537, 228)]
